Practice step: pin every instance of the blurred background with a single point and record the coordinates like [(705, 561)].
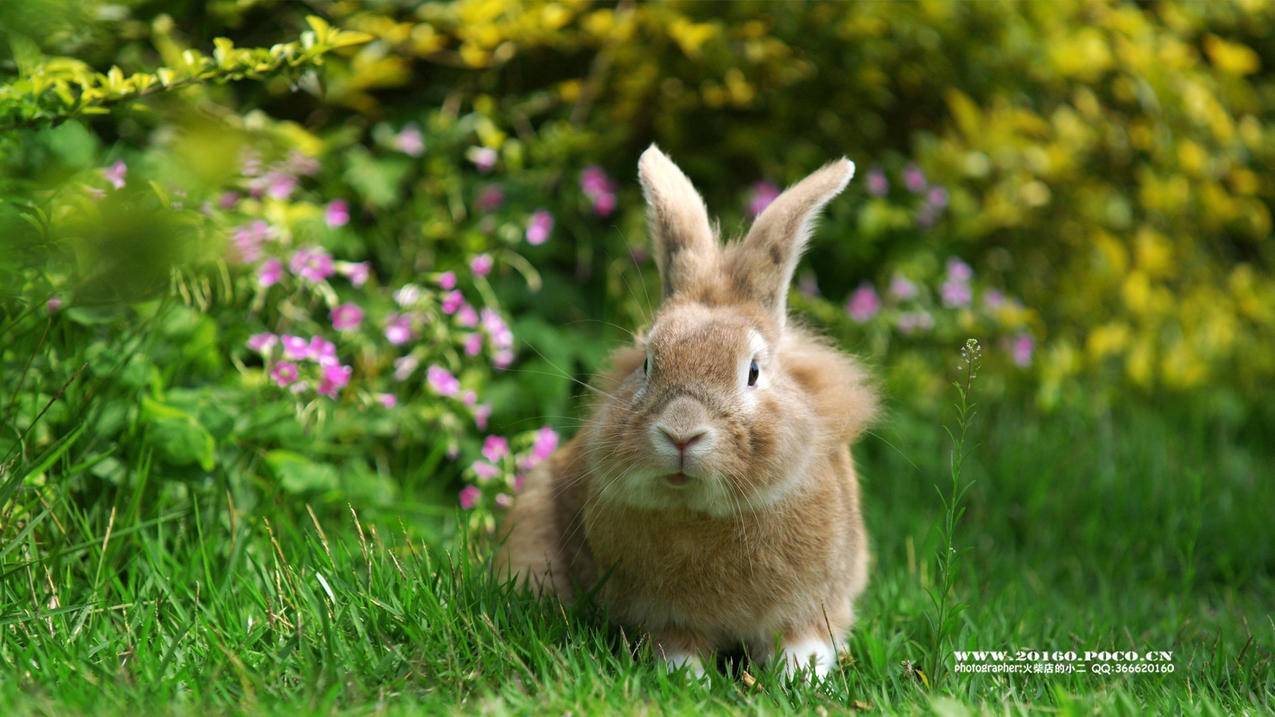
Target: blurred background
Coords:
[(365, 251)]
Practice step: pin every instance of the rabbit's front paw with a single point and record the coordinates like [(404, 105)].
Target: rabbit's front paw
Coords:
[(692, 663), (809, 657)]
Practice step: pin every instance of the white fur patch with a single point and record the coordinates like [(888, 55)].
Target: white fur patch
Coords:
[(812, 658), (757, 349), (678, 660)]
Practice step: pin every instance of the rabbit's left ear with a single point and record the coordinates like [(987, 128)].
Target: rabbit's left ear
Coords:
[(763, 264)]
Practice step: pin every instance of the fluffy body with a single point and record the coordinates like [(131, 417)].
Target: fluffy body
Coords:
[(711, 492)]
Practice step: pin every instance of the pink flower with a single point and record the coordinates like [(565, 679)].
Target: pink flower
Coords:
[(447, 280), (115, 174), (504, 500), (878, 185), (760, 197), (300, 163), (482, 412), (53, 305), (481, 264), (1021, 348), (469, 496), (466, 316), (955, 293), (485, 471), (387, 400), (914, 178), (398, 329), (959, 270), (993, 299), (473, 344), (356, 272), (279, 185), (604, 204), (484, 158), (442, 381), (295, 347), (469, 398), (863, 303), (346, 316), (539, 227), (269, 273), (452, 301), (502, 358), (228, 200), (901, 288), (490, 198), (495, 448), (262, 343), (600, 190), (335, 378), (594, 180), (937, 197), (337, 213), (321, 351), (284, 373), (404, 366), (410, 141), (546, 442), (248, 239), (909, 322), (311, 263)]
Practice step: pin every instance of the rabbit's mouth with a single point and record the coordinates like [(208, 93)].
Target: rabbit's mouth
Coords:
[(677, 480)]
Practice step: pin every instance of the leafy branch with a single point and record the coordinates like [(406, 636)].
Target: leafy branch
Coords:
[(61, 88)]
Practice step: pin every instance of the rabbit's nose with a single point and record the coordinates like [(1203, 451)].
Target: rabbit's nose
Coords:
[(682, 440)]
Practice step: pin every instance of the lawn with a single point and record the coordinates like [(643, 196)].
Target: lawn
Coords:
[(1139, 529)]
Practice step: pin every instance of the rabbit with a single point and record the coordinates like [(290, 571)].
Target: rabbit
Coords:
[(710, 497)]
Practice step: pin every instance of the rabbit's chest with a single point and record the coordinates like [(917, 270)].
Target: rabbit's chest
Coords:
[(727, 576)]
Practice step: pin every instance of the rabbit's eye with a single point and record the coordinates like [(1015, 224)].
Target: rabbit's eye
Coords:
[(753, 372), (646, 366)]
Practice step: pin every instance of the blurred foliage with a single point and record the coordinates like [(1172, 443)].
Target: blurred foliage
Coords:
[(1084, 185)]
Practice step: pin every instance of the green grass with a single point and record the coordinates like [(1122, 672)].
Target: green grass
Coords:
[(1138, 529)]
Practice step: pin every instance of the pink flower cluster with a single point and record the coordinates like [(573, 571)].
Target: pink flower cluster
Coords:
[(539, 227), (280, 180), (600, 190), (249, 239), (955, 291), (502, 472), (905, 303), (295, 353), (934, 198), (864, 303)]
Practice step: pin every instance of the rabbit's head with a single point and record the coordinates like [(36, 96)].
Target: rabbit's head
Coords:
[(721, 404)]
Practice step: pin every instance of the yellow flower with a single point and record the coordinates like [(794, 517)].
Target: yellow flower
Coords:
[(1110, 338), (1231, 57)]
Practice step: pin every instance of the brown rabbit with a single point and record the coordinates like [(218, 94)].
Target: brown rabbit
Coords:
[(712, 490)]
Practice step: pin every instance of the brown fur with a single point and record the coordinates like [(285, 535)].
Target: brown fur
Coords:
[(766, 539)]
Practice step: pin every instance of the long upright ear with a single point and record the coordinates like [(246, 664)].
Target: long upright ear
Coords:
[(685, 246), (763, 263)]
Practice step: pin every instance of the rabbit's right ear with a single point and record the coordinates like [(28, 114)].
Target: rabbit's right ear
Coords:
[(685, 246)]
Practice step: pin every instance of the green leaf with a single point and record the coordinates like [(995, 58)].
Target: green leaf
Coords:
[(298, 474), (179, 436)]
